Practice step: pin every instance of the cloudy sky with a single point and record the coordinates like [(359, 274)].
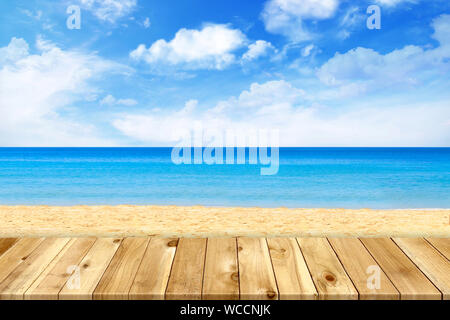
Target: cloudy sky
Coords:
[(141, 73)]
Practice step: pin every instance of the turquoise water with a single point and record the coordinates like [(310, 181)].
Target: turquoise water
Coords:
[(307, 177)]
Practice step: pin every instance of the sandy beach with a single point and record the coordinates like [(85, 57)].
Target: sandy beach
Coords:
[(197, 221)]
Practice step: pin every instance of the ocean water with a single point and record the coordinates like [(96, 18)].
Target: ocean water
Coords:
[(307, 177)]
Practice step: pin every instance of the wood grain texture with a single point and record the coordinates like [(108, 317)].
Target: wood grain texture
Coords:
[(407, 278), (443, 245), (18, 281), (330, 278), (16, 255), (153, 274), (256, 276), (360, 266), (186, 278), (92, 267), (48, 285), (221, 279), (45, 273), (246, 268), (291, 272), (119, 276), (6, 243), (430, 261)]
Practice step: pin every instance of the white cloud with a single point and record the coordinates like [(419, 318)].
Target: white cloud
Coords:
[(356, 64), (108, 100), (263, 95), (155, 127), (37, 15), (319, 9), (280, 105), (330, 115), (36, 88), (209, 48), (287, 17), (43, 44), (306, 51), (146, 23), (109, 10), (353, 18), (16, 49), (189, 106), (111, 101), (409, 65), (441, 26), (258, 49), (404, 66), (393, 3), (262, 102)]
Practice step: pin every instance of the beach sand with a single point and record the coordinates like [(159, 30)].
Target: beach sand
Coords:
[(177, 221)]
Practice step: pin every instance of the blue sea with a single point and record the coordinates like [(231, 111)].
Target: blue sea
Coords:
[(307, 177)]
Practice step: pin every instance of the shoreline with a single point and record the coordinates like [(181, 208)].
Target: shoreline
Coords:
[(199, 221)]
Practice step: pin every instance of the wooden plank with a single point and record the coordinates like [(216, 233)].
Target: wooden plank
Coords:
[(406, 277), (52, 280), (6, 243), (216, 269), (221, 280), (118, 278), (18, 282), (330, 278), (291, 272), (256, 276), (443, 245), (92, 268), (434, 265), (186, 278), (16, 255), (360, 266), (153, 274)]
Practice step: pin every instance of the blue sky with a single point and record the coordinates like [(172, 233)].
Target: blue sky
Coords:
[(142, 73)]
